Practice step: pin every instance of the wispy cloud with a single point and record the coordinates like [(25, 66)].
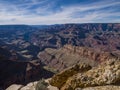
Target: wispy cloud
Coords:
[(48, 12)]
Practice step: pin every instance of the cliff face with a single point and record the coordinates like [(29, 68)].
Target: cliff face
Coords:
[(94, 54), (21, 72), (108, 73), (70, 55), (12, 71)]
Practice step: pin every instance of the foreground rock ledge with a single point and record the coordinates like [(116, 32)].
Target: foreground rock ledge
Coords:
[(82, 77), (60, 79), (107, 73)]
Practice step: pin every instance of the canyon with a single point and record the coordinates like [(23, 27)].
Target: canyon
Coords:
[(29, 53)]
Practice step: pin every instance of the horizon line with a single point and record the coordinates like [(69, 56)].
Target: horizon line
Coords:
[(64, 23)]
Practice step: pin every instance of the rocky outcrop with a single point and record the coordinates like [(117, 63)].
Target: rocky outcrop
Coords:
[(14, 87), (108, 73), (81, 77), (59, 79), (31, 86)]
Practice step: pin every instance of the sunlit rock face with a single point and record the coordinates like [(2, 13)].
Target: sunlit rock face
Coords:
[(107, 73), (70, 55)]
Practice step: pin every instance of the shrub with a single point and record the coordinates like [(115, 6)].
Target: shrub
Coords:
[(41, 85)]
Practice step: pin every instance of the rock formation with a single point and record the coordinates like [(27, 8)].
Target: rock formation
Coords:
[(108, 73), (99, 36), (31, 86), (60, 79), (94, 54), (70, 55), (93, 44), (81, 77)]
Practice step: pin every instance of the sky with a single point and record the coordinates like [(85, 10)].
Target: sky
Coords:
[(46, 12)]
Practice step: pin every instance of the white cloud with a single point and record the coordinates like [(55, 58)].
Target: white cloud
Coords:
[(13, 14)]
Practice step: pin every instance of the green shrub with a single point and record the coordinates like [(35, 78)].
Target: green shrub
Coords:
[(41, 85)]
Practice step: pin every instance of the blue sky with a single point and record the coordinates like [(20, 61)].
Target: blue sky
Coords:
[(59, 11)]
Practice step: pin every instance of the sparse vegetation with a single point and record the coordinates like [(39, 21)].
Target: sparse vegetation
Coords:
[(41, 85)]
